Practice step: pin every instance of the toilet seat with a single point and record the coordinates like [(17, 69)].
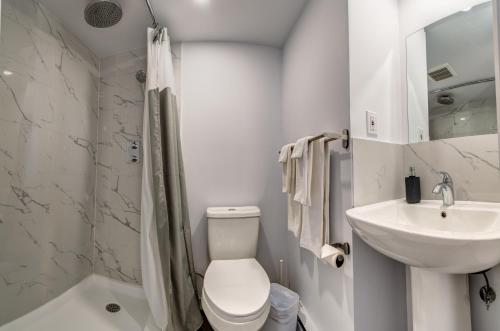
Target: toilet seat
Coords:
[(236, 294)]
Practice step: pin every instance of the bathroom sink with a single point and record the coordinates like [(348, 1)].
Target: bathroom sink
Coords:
[(460, 239)]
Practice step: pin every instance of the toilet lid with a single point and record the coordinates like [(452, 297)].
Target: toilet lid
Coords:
[(238, 288)]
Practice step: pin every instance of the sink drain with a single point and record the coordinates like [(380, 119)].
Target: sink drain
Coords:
[(113, 307)]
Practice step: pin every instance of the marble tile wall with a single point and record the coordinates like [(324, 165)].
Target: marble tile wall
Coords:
[(471, 161), (48, 128), (118, 191), (378, 171)]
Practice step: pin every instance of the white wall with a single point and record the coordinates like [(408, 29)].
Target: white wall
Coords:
[(418, 97), (375, 85), (316, 99), (377, 46), (375, 76), (231, 130)]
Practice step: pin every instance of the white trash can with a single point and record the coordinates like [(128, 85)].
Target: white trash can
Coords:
[(284, 309)]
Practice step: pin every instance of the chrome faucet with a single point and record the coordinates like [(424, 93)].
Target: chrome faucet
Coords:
[(446, 189)]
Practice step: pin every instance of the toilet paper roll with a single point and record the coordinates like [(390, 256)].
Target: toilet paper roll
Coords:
[(332, 256)]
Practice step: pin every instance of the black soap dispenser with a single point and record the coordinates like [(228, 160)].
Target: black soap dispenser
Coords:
[(412, 184)]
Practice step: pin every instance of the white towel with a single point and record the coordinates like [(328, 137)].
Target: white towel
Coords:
[(302, 154), (294, 208), (286, 167), (326, 196), (315, 229)]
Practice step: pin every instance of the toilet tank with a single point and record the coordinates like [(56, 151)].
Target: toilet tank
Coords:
[(233, 232)]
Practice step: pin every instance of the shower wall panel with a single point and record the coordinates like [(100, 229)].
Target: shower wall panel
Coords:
[(117, 242), (48, 128)]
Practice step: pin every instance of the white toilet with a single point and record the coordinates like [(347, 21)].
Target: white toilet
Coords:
[(236, 287)]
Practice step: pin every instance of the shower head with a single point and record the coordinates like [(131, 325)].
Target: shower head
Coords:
[(445, 99), (103, 13)]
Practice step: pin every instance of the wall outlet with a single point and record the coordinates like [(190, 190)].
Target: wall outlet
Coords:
[(371, 123)]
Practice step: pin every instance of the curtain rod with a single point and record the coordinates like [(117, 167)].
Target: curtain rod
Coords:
[(151, 12), (472, 82)]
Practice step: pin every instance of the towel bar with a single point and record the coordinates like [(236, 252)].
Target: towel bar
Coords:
[(330, 136)]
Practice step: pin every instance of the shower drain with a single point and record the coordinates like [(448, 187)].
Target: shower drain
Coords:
[(113, 307)]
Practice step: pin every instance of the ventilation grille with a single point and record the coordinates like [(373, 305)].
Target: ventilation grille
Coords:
[(441, 72)]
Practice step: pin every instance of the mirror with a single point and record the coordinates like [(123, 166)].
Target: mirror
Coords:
[(451, 77)]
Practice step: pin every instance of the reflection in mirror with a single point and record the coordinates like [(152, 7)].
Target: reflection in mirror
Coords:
[(451, 77)]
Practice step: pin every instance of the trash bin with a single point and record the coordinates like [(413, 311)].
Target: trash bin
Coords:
[(284, 309)]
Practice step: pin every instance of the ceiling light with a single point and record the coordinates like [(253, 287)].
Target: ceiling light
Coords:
[(462, 118), (202, 2), (467, 9), (8, 73)]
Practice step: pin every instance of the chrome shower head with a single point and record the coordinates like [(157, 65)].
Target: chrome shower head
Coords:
[(445, 99), (103, 13)]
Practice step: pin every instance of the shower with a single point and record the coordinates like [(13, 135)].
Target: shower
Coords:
[(103, 13)]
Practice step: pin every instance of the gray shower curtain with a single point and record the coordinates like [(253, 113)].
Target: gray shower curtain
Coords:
[(167, 260)]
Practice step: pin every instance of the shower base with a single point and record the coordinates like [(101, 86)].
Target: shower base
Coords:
[(83, 308)]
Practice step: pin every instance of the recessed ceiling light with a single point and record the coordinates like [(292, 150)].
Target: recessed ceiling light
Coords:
[(467, 9), (462, 118), (8, 73)]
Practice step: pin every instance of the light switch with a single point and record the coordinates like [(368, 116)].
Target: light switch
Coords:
[(371, 123)]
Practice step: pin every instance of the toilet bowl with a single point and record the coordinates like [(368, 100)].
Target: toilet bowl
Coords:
[(236, 288), (236, 295)]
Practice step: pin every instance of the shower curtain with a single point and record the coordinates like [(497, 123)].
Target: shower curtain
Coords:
[(166, 253)]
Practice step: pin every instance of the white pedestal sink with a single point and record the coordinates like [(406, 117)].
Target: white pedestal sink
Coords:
[(441, 245)]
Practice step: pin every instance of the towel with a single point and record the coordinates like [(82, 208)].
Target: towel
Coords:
[(315, 229), (286, 167), (302, 154), (326, 195), (294, 208)]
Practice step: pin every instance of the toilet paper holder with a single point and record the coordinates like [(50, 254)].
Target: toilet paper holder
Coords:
[(346, 248)]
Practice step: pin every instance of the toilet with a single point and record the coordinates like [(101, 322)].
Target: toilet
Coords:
[(236, 288)]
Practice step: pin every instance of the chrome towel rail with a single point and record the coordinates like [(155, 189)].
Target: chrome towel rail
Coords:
[(330, 136)]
